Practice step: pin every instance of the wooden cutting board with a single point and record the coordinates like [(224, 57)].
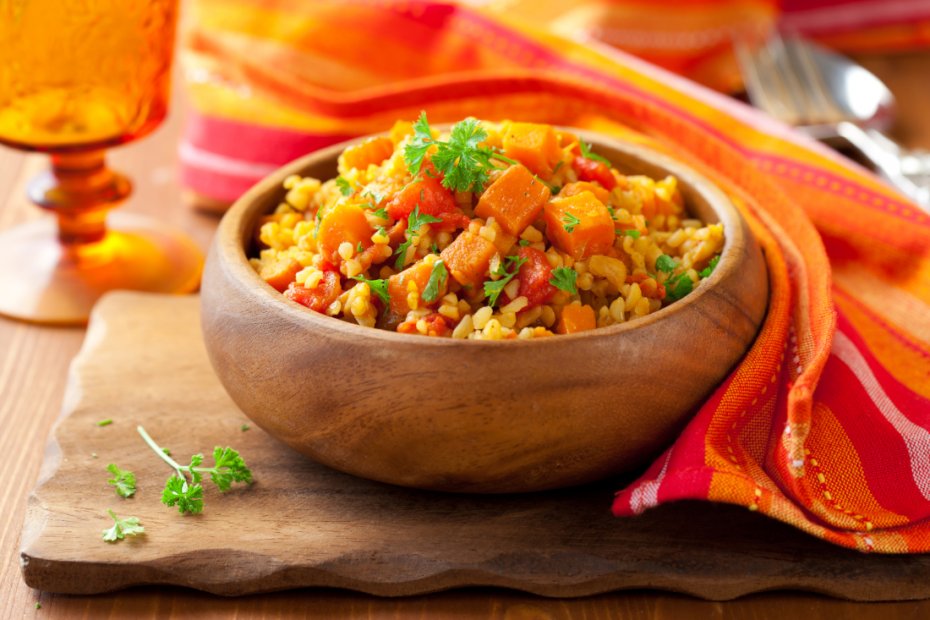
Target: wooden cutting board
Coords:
[(302, 524)]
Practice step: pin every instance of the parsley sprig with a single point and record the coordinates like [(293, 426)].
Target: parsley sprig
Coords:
[(344, 187), (564, 278), (587, 154), (436, 282), (414, 221), (676, 286), (463, 162), (122, 528), (569, 222), (494, 288), (378, 287), (124, 480), (184, 488)]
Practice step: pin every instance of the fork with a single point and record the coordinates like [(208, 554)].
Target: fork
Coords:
[(788, 78)]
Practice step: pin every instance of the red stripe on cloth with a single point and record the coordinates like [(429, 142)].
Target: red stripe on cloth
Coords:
[(253, 143), (881, 448)]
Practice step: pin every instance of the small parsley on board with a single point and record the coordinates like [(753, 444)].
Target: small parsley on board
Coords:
[(494, 288), (122, 528), (463, 162), (184, 489), (436, 282), (378, 287), (563, 278), (105, 422), (123, 480)]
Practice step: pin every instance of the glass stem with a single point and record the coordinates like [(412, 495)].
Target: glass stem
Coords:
[(80, 189)]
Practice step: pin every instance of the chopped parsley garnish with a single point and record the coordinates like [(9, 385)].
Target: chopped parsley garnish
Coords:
[(463, 163), (629, 233), (679, 286), (122, 528), (564, 278), (436, 282), (587, 154), (414, 221), (124, 481), (706, 271), (569, 222), (524, 243), (378, 287), (494, 288), (613, 213), (244, 427), (378, 198), (382, 213), (344, 188), (666, 263)]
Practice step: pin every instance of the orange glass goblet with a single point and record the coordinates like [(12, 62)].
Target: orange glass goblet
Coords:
[(76, 77)]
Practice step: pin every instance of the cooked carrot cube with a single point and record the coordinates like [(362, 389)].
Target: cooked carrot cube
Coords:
[(513, 200), (592, 228), (571, 189), (467, 258), (279, 272), (576, 318), (535, 146), (344, 222), (399, 287), (371, 151)]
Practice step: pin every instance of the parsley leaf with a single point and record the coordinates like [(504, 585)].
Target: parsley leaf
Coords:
[(378, 287), (187, 497), (587, 154), (666, 263), (494, 288), (122, 528), (463, 163), (123, 480), (382, 213), (414, 221), (629, 233), (344, 188), (524, 243), (184, 489), (401, 254), (416, 149), (706, 271), (564, 278), (679, 286), (569, 222), (436, 282)]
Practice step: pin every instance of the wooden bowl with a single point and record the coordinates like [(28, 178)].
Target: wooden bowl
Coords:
[(478, 416)]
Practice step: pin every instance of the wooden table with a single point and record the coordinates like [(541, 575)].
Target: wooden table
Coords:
[(33, 367)]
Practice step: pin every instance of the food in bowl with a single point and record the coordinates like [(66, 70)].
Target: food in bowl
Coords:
[(485, 231)]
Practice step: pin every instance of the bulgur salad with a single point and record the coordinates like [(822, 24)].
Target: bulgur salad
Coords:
[(485, 231)]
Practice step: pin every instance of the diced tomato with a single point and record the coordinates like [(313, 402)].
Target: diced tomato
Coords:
[(427, 193), (590, 170), (317, 298), (436, 325), (534, 277)]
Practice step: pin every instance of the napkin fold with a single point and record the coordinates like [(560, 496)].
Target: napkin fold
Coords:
[(825, 424)]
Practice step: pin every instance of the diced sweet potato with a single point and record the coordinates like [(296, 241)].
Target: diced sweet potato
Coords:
[(280, 272), (371, 151), (592, 229), (535, 146), (573, 189), (576, 318), (467, 258), (344, 222), (398, 285), (513, 200)]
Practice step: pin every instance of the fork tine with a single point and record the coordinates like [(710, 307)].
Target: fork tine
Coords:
[(764, 85), (820, 106)]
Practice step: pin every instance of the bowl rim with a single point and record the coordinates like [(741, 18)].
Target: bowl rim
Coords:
[(231, 234)]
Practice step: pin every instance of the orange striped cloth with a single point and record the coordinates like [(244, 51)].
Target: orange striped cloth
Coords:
[(826, 423)]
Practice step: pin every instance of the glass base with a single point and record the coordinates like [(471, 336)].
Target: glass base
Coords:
[(43, 281)]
